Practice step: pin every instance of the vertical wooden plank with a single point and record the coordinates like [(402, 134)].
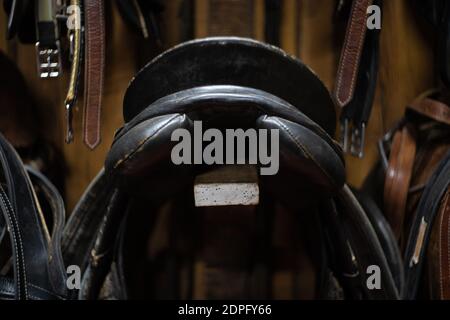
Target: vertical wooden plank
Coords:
[(242, 18), (3, 42), (316, 38), (258, 20), (171, 23), (201, 18), (289, 29)]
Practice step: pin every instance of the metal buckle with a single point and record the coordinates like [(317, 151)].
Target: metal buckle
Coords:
[(344, 135), (48, 61), (357, 140), (69, 129), (386, 139)]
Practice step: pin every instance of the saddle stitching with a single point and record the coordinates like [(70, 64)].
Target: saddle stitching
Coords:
[(13, 220)]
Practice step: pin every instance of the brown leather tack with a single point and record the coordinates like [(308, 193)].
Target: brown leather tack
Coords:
[(351, 53), (94, 69), (432, 109), (398, 177)]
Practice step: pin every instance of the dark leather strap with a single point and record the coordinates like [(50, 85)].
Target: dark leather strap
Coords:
[(94, 69), (398, 177), (57, 273), (20, 278), (444, 247), (365, 240), (351, 53), (427, 210)]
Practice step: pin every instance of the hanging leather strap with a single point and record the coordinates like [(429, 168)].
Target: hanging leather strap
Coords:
[(398, 177), (75, 70), (94, 70), (351, 53)]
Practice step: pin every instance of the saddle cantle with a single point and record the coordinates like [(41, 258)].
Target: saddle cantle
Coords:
[(136, 232)]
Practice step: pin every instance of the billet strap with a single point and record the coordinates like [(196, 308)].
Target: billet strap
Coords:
[(398, 177), (351, 53), (94, 24)]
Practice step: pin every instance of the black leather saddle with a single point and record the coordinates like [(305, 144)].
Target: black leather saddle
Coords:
[(225, 83)]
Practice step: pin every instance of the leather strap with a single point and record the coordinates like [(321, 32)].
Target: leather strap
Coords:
[(20, 277), (444, 247), (398, 177), (75, 70), (94, 68), (351, 53), (432, 109)]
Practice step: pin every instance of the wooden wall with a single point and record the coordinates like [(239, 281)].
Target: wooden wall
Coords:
[(307, 32)]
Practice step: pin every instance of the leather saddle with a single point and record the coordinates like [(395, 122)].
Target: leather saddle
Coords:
[(137, 233)]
